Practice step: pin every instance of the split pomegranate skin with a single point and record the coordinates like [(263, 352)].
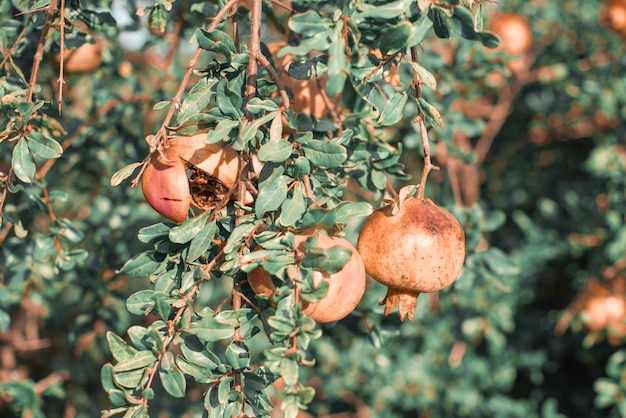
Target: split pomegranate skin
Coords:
[(169, 190), (414, 248)]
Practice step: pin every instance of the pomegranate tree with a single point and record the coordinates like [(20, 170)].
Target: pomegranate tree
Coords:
[(411, 247)]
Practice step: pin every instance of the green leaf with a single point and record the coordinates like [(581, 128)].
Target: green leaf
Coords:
[(309, 291), (309, 69), (64, 228), (150, 233), (120, 350), (440, 22), (289, 371), (300, 167), (258, 379), (106, 378), (499, 262), (238, 235), (425, 76), (381, 337), (161, 105), (196, 100), (22, 162), (43, 147), (201, 243), (257, 106), (419, 30), (293, 207), (211, 402), (309, 23), (188, 230), (348, 211), (431, 112), (123, 173), (223, 390), (172, 378), (139, 360), (195, 351), (393, 111), (324, 153), (275, 151), (466, 18), (140, 302), (337, 63), (141, 265), (390, 11), (276, 127), (131, 379), (330, 260), (237, 356), (221, 131), (199, 372), (393, 37), (216, 41), (488, 39), (209, 329), (139, 337), (272, 192)]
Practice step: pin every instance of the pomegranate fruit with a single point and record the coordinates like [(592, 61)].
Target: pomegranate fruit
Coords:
[(515, 34), (613, 16), (307, 94), (166, 187), (214, 171), (605, 311), (411, 248), (84, 59), (345, 287)]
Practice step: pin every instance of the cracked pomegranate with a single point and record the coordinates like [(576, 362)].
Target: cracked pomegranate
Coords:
[(170, 192), (411, 248)]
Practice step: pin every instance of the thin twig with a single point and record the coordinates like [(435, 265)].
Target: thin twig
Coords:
[(61, 79), (420, 119), (9, 52), (49, 380), (428, 166), (52, 8), (275, 77), (254, 48)]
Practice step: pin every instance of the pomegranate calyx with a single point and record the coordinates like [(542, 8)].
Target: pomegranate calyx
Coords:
[(405, 300)]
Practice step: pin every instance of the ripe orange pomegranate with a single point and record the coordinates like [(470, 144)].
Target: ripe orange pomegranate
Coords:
[(411, 248), (307, 95), (515, 34), (167, 188), (84, 59), (613, 16), (345, 287), (605, 311)]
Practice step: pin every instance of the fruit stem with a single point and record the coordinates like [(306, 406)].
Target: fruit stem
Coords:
[(427, 163), (423, 132)]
